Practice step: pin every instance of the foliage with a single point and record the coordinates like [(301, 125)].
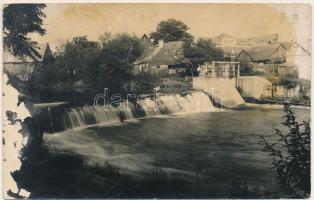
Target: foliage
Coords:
[(201, 51), (240, 189), (55, 80), (83, 68), (117, 55), (171, 30), (247, 69), (288, 80), (291, 155), (18, 21)]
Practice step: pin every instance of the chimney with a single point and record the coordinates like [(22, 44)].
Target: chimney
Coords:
[(161, 43)]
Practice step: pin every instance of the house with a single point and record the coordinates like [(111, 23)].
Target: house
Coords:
[(284, 57), (225, 40), (163, 59), (23, 67), (232, 46), (298, 57), (262, 61), (273, 53)]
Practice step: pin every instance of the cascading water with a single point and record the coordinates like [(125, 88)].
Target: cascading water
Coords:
[(164, 104), (149, 106), (86, 115), (192, 102)]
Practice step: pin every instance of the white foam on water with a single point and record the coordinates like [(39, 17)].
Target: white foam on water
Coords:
[(172, 104)]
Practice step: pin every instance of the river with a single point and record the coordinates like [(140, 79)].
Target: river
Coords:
[(217, 147)]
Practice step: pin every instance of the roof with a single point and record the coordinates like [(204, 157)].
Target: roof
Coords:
[(9, 58), (262, 52), (265, 38), (231, 50), (288, 45), (146, 41), (170, 54), (219, 38), (247, 41), (244, 42), (48, 54)]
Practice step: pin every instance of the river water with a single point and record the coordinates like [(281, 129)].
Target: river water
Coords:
[(219, 147)]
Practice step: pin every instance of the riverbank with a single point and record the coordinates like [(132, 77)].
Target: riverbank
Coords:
[(273, 106), (304, 103)]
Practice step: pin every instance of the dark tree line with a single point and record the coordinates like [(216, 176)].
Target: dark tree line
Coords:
[(83, 68), (196, 51)]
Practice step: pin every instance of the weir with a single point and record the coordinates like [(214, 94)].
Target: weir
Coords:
[(86, 115), (147, 107)]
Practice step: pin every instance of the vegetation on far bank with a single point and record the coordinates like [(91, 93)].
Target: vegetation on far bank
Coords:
[(83, 68)]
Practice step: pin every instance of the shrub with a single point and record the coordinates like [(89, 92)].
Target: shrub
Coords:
[(291, 155)]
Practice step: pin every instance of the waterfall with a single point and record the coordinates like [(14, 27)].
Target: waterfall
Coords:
[(81, 116), (149, 106), (193, 102), (164, 104)]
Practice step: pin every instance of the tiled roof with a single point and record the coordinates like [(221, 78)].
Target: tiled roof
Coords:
[(170, 54), (262, 52)]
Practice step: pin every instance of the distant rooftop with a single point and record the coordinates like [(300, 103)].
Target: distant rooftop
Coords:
[(247, 41), (171, 53)]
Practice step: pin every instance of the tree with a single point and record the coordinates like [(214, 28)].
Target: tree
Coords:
[(75, 64), (171, 30), (83, 68), (291, 155), (79, 58), (201, 51), (18, 21), (117, 55)]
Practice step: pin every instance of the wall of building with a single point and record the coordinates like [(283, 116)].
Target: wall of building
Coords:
[(301, 59)]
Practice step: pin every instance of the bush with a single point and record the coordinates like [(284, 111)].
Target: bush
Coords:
[(291, 155)]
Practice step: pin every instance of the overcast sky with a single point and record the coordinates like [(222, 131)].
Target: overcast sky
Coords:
[(65, 21)]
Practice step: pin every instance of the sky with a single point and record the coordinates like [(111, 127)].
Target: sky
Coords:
[(65, 21)]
